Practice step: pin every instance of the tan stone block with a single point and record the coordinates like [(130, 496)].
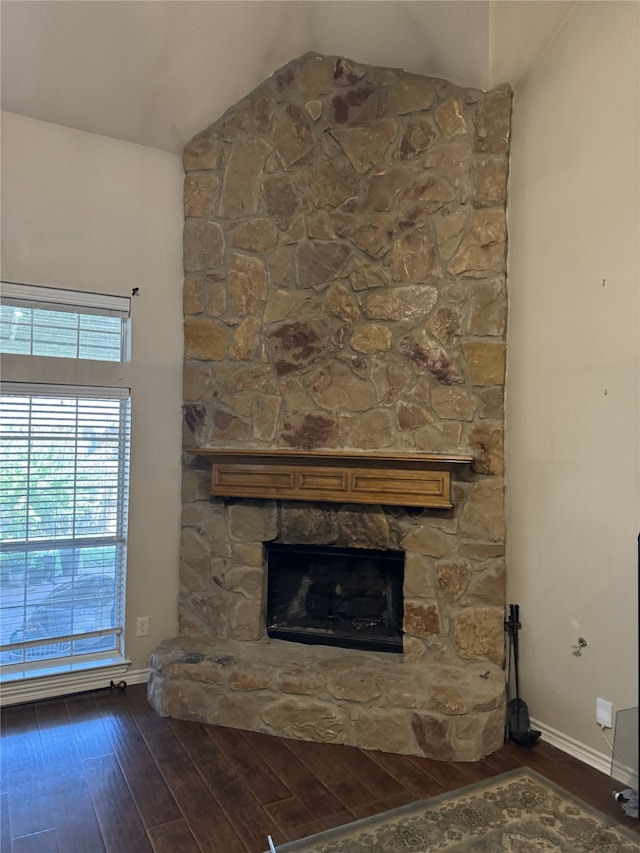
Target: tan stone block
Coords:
[(452, 580), (204, 339), (305, 719), (446, 699), (307, 525), (185, 701), (446, 325), (266, 416), (249, 679), (281, 204), (488, 308), (214, 529), (384, 187), (200, 193), (366, 146), (195, 561), (451, 160), (240, 194), (370, 338), (450, 118), (256, 235), (435, 736), (246, 340), (482, 251), (216, 294), (339, 302), (300, 681), (239, 404), (443, 437), (413, 648), (314, 108), (479, 633), (481, 550), (316, 262), (482, 517), (319, 226), (199, 382), (227, 427), (414, 257), (247, 284), (359, 684), (412, 93), (246, 621), (374, 429), (492, 122), (203, 245), (479, 734), (248, 553), (314, 76), (491, 403), (362, 528), (426, 539), (334, 386), (489, 182), (285, 305), (418, 136), (308, 430), (487, 447), (388, 731), (239, 711), (418, 576), (371, 234), (401, 303), (485, 362), (193, 294), (253, 521), (248, 580), (203, 152), (490, 586), (332, 183), (454, 403), (449, 229), (206, 671), (291, 134), (426, 195), (420, 619)]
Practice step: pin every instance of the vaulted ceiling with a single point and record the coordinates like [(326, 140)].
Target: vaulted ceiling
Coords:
[(156, 72)]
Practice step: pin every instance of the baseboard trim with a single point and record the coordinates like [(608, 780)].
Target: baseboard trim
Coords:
[(65, 684), (599, 760)]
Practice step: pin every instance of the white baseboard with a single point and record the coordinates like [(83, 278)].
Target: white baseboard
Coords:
[(599, 760), (64, 684)]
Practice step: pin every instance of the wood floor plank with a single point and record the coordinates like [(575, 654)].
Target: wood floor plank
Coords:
[(5, 830), (172, 837), (349, 790), (414, 780), (28, 807), (88, 731), (266, 785), (39, 842), (319, 800), (241, 807), (52, 716), (68, 794), (205, 817), (286, 814), (120, 823), (146, 783)]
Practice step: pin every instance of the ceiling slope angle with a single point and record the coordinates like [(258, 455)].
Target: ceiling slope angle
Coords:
[(156, 73)]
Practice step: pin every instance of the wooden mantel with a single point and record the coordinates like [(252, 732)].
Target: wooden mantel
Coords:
[(340, 476)]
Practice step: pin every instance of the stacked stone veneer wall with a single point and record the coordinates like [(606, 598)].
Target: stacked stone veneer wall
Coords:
[(344, 252)]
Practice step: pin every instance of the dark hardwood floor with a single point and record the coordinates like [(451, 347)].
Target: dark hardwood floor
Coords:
[(103, 772)]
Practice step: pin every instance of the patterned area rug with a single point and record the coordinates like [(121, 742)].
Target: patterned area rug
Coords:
[(518, 812)]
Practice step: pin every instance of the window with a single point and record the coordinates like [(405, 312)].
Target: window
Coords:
[(63, 478)]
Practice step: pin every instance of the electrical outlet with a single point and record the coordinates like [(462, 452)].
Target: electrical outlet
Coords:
[(142, 626), (604, 713)]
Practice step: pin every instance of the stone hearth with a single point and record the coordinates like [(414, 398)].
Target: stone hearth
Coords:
[(344, 251)]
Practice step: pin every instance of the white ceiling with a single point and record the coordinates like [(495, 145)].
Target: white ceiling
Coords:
[(155, 72)]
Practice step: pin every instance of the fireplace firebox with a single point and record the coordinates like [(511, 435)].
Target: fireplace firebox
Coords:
[(349, 597)]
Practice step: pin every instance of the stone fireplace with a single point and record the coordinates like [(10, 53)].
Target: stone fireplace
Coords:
[(344, 251)]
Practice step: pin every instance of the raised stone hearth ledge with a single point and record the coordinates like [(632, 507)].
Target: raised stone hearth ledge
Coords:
[(375, 701), (392, 479)]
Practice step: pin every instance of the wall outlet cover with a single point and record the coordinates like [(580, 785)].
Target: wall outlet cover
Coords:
[(604, 713)]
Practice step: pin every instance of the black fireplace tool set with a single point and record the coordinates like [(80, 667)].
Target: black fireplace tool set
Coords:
[(518, 727)]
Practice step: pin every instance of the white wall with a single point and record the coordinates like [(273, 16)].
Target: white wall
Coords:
[(87, 212), (573, 425)]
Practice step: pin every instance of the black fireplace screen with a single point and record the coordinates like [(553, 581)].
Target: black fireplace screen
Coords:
[(350, 597)]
